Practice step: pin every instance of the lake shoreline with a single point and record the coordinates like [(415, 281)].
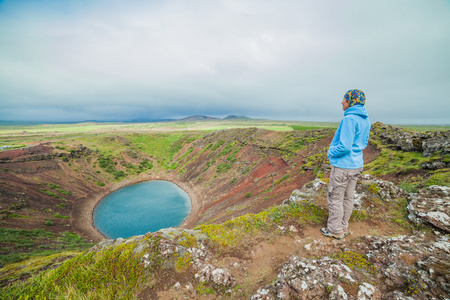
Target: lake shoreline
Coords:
[(82, 216)]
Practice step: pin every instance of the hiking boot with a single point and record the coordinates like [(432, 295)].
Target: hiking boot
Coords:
[(326, 233)]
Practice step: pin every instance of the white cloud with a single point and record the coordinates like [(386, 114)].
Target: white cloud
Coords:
[(283, 60)]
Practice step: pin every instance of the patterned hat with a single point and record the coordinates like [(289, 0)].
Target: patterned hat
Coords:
[(355, 97)]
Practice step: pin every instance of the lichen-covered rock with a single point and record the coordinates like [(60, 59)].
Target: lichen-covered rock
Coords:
[(435, 165), (431, 206), (338, 293), (303, 278), (189, 290), (368, 292), (411, 264), (403, 267), (386, 190), (320, 248), (173, 243), (200, 255), (107, 243), (396, 137), (171, 232), (397, 295), (438, 142), (400, 139), (263, 294), (308, 192), (216, 275)]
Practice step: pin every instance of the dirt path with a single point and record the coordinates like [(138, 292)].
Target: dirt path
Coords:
[(265, 259)]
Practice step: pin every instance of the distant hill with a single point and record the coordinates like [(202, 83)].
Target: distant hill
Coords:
[(198, 118), (233, 117)]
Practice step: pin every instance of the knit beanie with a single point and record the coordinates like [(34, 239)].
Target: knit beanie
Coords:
[(355, 97)]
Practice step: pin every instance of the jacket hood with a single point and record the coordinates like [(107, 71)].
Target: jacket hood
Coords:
[(359, 110)]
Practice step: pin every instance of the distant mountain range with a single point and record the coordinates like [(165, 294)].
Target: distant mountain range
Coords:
[(233, 117), (197, 118), (206, 118)]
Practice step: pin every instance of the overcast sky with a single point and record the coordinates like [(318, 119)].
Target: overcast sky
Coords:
[(78, 60)]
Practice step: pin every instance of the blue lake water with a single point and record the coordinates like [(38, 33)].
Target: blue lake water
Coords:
[(140, 208)]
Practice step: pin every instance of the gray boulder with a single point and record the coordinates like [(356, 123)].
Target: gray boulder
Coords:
[(303, 278), (399, 139), (431, 206), (437, 142)]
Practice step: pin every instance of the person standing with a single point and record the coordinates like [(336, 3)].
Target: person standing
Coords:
[(346, 159)]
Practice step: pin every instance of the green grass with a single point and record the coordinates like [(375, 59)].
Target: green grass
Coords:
[(57, 188), (14, 146), (246, 171), (203, 289), (355, 261), (399, 213), (57, 215), (216, 145), (302, 127), (33, 264), (227, 149), (438, 177), (404, 163), (274, 128), (222, 168), (232, 156), (114, 273), (70, 128), (37, 242), (282, 179), (50, 193), (391, 161), (238, 231), (161, 146), (296, 141), (152, 149), (422, 128), (183, 262)]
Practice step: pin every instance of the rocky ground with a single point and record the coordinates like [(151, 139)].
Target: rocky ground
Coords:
[(408, 266), (298, 263)]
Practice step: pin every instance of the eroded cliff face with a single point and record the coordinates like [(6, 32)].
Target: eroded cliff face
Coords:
[(246, 170), (39, 186)]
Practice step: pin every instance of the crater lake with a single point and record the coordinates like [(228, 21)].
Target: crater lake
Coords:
[(140, 208)]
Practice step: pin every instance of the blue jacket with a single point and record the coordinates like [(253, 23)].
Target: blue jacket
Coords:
[(350, 139)]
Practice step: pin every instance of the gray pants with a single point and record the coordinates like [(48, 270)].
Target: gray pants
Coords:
[(340, 198)]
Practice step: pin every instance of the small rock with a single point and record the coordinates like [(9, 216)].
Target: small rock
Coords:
[(177, 286), (190, 290), (367, 292), (338, 293)]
